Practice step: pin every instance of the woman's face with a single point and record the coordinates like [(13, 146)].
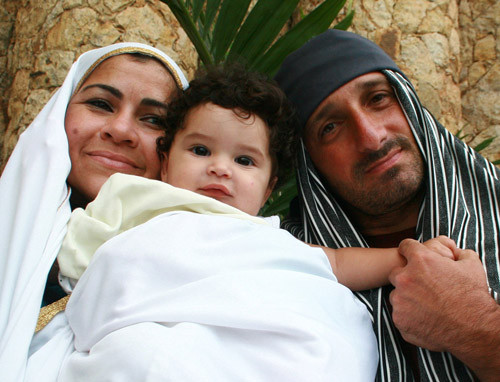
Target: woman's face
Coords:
[(113, 121)]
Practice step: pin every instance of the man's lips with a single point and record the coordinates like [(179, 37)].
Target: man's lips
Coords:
[(385, 162), (113, 160), (215, 190)]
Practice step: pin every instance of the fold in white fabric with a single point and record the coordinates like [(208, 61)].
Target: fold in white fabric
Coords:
[(35, 209), (192, 297)]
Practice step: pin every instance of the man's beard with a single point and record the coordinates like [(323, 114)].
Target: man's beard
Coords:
[(392, 189)]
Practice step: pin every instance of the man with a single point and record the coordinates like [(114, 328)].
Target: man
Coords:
[(376, 168)]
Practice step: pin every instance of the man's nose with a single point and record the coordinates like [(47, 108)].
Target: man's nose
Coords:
[(371, 132)]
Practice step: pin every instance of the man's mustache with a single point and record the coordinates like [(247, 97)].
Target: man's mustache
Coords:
[(371, 157)]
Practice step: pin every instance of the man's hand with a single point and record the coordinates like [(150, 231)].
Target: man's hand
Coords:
[(444, 305)]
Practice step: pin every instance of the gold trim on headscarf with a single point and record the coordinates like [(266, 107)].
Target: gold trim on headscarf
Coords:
[(131, 49)]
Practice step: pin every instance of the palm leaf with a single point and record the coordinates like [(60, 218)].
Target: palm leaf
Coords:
[(279, 201), (482, 145), (261, 27), (231, 14), (346, 21), (182, 15), (313, 24)]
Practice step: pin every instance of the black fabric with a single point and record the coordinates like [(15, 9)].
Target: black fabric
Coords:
[(325, 63)]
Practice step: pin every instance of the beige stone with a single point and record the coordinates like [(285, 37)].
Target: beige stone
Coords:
[(70, 4), (390, 41), (417, 58), (476, 71), (438, 47), (485, 48), (379, 13), (491, 81), (142, 25), (107, 35), (453, 10), (51, 67), (435, 21), (408, 14), (34, 104), (73, 29), (117, 5)]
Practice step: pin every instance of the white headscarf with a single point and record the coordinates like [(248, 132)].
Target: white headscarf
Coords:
[(35, 208)]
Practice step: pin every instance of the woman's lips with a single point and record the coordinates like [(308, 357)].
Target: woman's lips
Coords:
[(112, 160)]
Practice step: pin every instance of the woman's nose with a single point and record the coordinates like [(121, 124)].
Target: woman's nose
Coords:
[(121, 129)]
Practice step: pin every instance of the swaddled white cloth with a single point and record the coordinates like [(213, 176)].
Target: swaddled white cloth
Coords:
[(194, 297)]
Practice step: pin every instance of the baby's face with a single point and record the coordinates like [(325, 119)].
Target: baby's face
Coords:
[(223, 156)]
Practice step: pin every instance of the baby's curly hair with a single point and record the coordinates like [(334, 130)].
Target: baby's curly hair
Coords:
[(246, 93)]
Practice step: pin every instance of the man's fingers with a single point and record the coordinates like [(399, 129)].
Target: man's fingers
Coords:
[(394, 274), (466, 254)]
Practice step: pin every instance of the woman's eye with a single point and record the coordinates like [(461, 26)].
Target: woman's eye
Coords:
[(100, 104), (244, 161), (200, 151), (154, 120), (327, 129)]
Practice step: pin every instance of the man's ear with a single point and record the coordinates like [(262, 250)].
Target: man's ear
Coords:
[(163, 165), (269, 190)]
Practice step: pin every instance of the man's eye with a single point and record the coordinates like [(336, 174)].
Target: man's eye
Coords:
[(327, 129), (244, 161), (380, 98), (200, 151), (100, 104)]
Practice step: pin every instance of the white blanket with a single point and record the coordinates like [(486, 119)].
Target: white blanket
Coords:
[(191, 297)]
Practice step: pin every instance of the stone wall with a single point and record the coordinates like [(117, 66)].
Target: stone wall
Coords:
[(448, 48)]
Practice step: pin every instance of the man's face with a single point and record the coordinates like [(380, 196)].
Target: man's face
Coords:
[(360, 141)]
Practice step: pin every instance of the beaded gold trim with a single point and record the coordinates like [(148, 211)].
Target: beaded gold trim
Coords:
[(48, 312)]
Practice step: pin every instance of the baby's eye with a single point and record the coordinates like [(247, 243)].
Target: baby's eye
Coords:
[(200, 151), (100, 104), (244, 161), (327, 129)]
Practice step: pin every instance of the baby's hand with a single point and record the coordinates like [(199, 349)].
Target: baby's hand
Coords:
[(443, 246)]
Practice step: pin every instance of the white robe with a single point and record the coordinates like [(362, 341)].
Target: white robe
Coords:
[(34, 210), (195, 297)]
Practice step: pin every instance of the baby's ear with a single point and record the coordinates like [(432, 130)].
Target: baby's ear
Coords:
[(164, 165), (270, 189)]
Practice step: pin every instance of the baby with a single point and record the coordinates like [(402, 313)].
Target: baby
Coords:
[(188, 284)]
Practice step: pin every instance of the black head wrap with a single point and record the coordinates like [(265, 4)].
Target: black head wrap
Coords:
[(324, 64)]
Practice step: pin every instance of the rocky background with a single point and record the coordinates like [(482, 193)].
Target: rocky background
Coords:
[(448, 48)]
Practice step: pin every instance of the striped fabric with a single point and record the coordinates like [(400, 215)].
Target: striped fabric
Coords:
[(462, 202)]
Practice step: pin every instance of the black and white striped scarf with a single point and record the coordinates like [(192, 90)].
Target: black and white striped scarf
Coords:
[(462, 202)]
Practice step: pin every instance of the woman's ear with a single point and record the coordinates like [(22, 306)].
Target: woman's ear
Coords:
[(269, 190), (164, 166)]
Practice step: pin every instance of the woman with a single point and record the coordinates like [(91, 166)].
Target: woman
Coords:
[(102, 120)]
